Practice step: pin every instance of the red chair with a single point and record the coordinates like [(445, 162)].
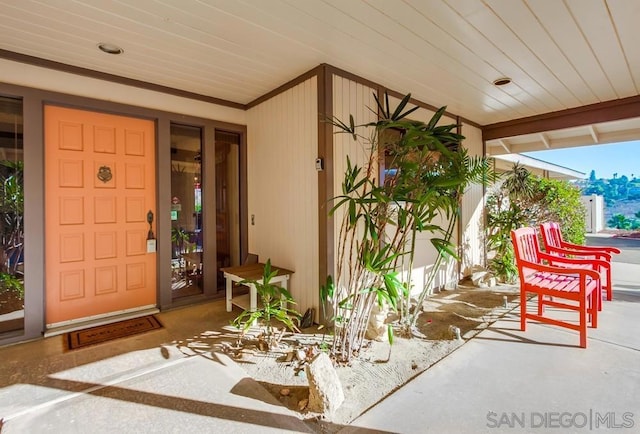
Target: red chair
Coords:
[(554, 244), (577, 286)]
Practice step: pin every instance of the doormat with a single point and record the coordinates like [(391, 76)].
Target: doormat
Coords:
[(108, 332)]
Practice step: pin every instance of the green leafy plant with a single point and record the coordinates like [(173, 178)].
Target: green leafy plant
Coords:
[(505, 213), (504, 266), (11, 227), (274, 306), (180, 241), (447, 180), (12, 212), (559, 200), (427, 173), (326, 295), (523, 199), (11, 283), (619, 221)]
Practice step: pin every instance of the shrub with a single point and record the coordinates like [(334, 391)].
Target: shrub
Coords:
[(559, 201), (619, 221), (524, 199)]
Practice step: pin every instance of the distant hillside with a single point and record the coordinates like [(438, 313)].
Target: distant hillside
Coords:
[(627, 208), (621, 196)]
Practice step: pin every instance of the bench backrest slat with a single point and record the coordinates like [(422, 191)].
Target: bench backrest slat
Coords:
[(525, 243), (551, 234)]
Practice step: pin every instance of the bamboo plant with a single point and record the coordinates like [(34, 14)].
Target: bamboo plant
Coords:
[(381, 218)]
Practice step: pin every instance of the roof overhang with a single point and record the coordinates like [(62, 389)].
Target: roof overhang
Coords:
[(597, 124), (538, 167)]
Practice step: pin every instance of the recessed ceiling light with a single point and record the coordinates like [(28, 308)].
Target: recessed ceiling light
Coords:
[(502, 81), (110, 48)]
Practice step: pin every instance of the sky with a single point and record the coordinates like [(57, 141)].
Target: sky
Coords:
[(620, 158)]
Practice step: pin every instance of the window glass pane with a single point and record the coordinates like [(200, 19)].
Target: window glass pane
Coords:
[(12, 218), (186, 211), (227, 201)]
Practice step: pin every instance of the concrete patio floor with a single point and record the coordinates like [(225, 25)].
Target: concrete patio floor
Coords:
[(505, 380), (166, 381)]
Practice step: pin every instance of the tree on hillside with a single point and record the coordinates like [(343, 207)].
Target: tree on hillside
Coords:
[(597, 187), (619, 221), (620, 189)]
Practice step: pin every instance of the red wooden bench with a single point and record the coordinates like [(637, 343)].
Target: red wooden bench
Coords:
[(577, 287), (554, 244)]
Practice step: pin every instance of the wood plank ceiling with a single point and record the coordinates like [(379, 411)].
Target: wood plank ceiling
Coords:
[(559, 54)]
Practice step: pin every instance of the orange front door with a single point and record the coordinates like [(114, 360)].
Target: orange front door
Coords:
[(100, 185)]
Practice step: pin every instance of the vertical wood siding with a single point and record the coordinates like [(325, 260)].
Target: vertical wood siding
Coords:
[(472, 218), (349, 98), (282, 141)]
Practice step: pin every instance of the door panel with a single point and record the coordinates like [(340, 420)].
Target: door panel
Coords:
[(100, 172)]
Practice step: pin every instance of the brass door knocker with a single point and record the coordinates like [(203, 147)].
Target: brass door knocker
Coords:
[(104, 174)]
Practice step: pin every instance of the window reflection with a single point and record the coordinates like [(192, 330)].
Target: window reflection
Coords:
[(186, 211), (12, 216), (227, 201)]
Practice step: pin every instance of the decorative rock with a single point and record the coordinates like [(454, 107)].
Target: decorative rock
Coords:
[(301, 354), (376, 327), (289, 356), (325, 389), (450, 285), (303, 404), (483, 279), (479, 277)]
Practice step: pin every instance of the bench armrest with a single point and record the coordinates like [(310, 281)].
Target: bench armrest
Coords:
[(563, 271), (572, 261), (606, 249), (582, 253)]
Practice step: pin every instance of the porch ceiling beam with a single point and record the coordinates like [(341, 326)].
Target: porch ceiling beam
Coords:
[(505, 145), (545, 141), (625, 108), (594, 134)]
